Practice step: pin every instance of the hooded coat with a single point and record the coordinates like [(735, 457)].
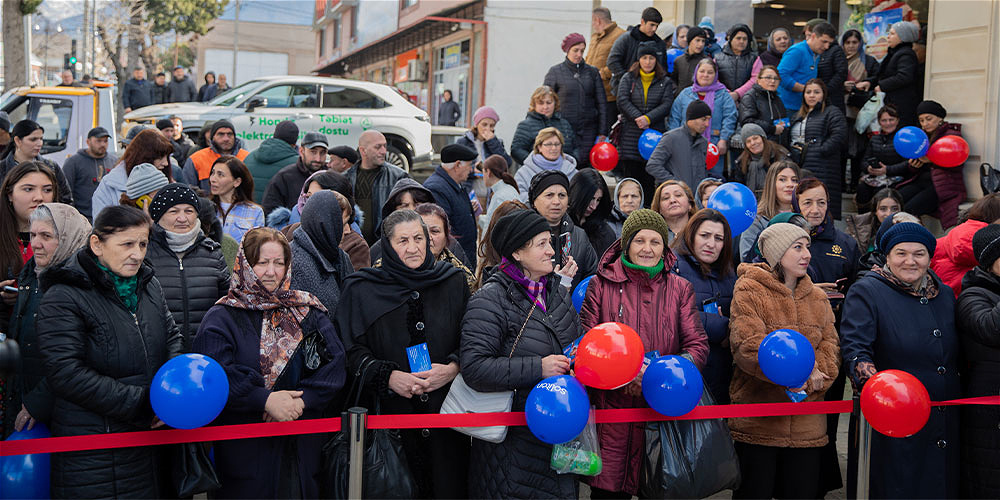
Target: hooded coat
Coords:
[(319, 265), (662, 311), (100, 359), (617, 217), (523, 144), (519, 466), (634, 102), (953, 257), (271, 156), (762, 304), (454, 200)]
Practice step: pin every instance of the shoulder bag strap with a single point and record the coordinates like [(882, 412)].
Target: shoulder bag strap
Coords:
[(516, 340)]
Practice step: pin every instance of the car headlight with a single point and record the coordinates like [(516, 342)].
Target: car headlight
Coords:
[(423, 118)]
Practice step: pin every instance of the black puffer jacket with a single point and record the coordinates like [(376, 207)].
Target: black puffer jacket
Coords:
[(528, 128), (832, 69), (519, 466), (897, 77), (27, 386), (684, 66), (191, 283), (581, 98), (633, 102), (763, 107), (100, 360), (881, 150), (825, 136), (734, 70), (978, 313)]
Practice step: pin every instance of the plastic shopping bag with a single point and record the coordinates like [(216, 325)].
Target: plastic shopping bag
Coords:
[(581, 455), (868, 113)]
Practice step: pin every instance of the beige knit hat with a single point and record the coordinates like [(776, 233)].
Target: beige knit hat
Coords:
[(776, 239)]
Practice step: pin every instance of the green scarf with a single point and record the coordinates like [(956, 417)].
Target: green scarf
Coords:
[(126, 288), (652, 271)]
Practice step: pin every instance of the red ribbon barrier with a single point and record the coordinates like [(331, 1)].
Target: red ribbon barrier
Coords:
[(417, 421)]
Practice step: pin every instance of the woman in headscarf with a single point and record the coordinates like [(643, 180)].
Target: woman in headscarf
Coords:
[(706, 87), (410, 302), (284, 362), (778, 42), (57, 232), (320, 265), (629, 197)]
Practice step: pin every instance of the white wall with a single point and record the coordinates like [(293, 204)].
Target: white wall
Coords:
[(251, 64)]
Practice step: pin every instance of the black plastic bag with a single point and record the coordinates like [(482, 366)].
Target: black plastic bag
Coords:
[(192, 471), (689, 458)]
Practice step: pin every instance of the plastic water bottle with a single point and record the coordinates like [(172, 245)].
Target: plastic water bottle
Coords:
[(566, 459)]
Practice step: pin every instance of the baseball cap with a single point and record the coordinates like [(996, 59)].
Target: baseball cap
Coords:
[(314, 139), (98, 132)]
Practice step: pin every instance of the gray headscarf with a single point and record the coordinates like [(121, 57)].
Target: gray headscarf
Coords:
[(72, 230), (907, 31), (319, 265)]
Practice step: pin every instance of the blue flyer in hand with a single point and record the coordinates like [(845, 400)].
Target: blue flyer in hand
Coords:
[(796, 396), (420, 358), (781, 121), (649, 357)]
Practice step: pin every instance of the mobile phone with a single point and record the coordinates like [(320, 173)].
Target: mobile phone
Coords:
[(10, 289)]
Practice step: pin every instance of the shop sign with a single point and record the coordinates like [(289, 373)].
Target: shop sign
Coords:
[(452, 56)]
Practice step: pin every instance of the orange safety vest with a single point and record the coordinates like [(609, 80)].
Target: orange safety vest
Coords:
[(203, 159)]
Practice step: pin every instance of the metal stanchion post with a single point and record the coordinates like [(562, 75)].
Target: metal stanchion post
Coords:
[(864, 456), (358, 418)]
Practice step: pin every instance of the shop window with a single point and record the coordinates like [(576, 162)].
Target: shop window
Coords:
[(405, 4), (350, 98), (322, 42), (336, 33)]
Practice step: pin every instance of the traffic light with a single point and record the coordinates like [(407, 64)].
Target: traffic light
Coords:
[(72, 51), (66, 64), (72, 60)]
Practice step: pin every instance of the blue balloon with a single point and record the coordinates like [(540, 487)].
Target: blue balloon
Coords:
[(911, 142), (557, 409), (580, 293), (672, 385), (737, 203), (189, 391), (787, 358), (648, 141), (25, 476)]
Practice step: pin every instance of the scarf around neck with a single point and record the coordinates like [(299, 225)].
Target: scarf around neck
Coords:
[(126, 288), (535, 289), (856, 67), (283, 311), (709, 91), (651, 271), (181, 242), (928, 288), (547, 164)]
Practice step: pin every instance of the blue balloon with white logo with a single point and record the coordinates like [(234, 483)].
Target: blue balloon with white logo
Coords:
[(787, 358), (26, 476), (737, 204), (189, 391), (911, 142), (557, 409), (672, 385), (648, 141), (580, 293)]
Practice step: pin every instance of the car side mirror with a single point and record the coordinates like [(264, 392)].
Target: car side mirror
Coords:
[(256, 102)]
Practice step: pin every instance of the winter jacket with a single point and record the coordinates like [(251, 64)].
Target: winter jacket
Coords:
[(84, 173), (718, 370), (100, 359), (523, 144), (633, 102), (182, 90), (832, 69), (27, 385), (496, 195), (979, 330), (734, 70), (485, 149), (137, 94), (763, 107), (762, 304), (65, 190), (284, 188), (681, 156), (581, 101), (528, 170), (448, 113), (798, 65), (897, 77), (949, 183), (109, 190), (953, 255), (880, 149), (191, 282), (825, 138), (256, 468), (663, 312), (386, 178), (835, 255), (579, 248), (207, 92), (518, 467), (598, 51), (182, 148), (453, 198), (895, 330), (724, 116), (757, 166), (159, 93), (271, 156), (625, 52), (859, 227), (684, 65), (198, 167)]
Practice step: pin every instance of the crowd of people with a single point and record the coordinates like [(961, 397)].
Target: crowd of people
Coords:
[(306, 270), (138, 92)]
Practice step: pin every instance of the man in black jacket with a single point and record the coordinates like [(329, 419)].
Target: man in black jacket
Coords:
[(445, 184), (372, 179), (160, 88), (685, 63), (284, 188), (137, 92), (625, 51), (181, 87)]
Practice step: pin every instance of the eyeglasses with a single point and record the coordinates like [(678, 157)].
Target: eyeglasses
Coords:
[(551, 144), (769, 78)]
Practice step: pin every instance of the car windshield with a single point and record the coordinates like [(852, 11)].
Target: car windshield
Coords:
[(236, 93)]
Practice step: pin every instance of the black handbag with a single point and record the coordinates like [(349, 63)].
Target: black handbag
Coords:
[(386, 471), (989, 179), (193, 472), (689, 458), (858, 98)]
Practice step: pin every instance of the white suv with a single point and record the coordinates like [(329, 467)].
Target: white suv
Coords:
[(340, 109)]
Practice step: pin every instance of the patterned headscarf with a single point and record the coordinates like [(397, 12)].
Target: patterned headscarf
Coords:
[(284, 309)]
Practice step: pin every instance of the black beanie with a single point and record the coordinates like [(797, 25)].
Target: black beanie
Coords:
[(698, 109), (542, 180), (221, 124), (986, 245), (163, 123), (695, 32), (515, 229), (287, 131), (931, 107), (170, 196), (646, 49)]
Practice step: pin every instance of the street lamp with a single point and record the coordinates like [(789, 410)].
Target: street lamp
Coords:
[(48, 31)]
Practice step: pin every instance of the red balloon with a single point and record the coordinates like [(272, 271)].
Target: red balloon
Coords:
[(949, 151), (712, 156), (895, 403), (604, 156), (609, 356)]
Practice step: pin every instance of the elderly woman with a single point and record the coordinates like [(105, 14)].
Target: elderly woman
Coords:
[(629, 196), (778, 41), (898, 73), (57, 232), (581, 92), (284, 362), (547, 155), (574, 258), (407, 194), (188, 264), (439, 231), (482, 139), (101, 309), (543, 113), (411, 300), (979, 325), (780, 455), (634, 286), (675, 201), (902, 317), (513, 335), (319, 264), (707, 88), (645, 95)]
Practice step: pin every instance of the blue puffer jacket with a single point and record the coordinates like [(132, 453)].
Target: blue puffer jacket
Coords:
[(723, 116)]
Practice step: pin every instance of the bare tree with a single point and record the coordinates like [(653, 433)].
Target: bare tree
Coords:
[(13, 40)]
